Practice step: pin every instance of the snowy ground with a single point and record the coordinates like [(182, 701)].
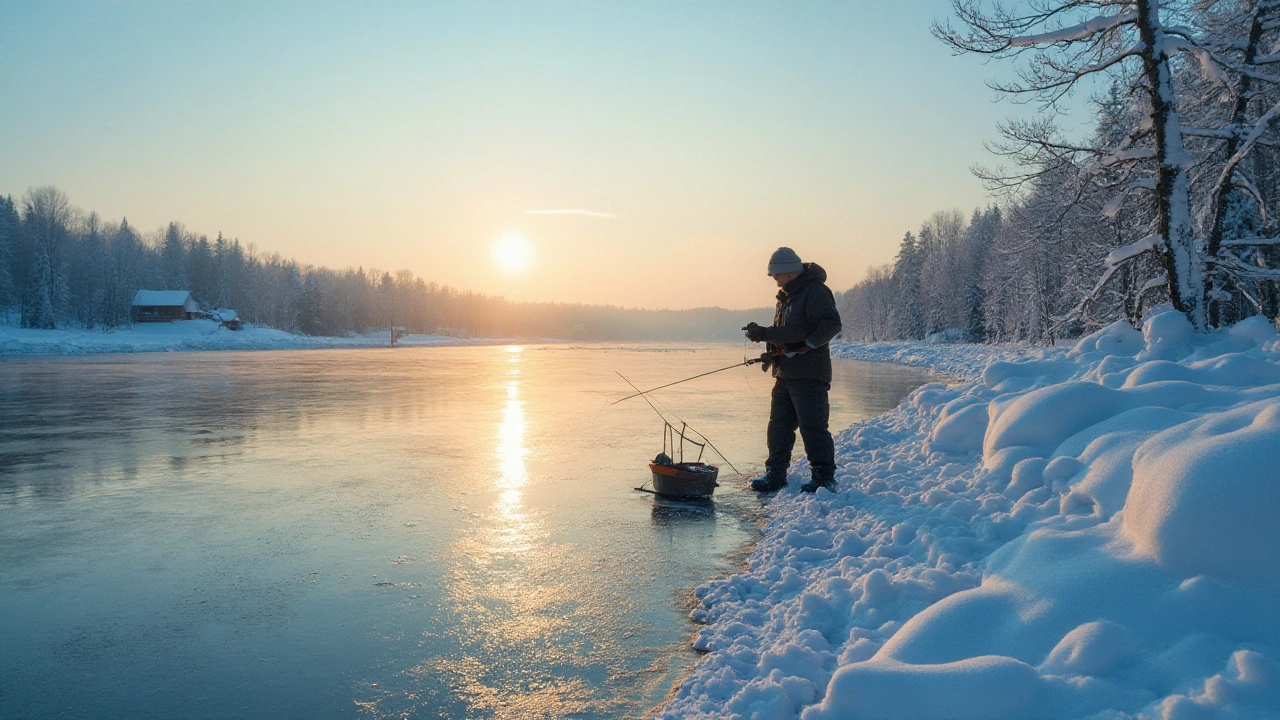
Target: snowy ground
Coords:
[(1090, 532), (192, 335), (958, 361)]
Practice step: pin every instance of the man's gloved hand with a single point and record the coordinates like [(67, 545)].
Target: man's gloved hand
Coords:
[(794, 349), (766, 361), (755, 333)]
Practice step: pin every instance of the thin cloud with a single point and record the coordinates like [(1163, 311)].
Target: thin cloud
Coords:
[(587, 213)]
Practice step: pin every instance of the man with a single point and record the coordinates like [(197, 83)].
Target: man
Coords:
[(804, 321)]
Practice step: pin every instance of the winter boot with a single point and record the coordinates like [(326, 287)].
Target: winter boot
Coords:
[(822, 477), (770, 482)]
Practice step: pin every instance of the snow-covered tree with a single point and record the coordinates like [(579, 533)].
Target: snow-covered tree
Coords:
[(1201, 102), (942, 269), (126, 266), (46, 221), (908, 319), (173, 254), (9, 226), (866, 308)]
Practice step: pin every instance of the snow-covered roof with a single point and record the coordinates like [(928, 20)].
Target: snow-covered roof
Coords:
[(161, 297)]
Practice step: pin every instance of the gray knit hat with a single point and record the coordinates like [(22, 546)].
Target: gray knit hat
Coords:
[(784, 260)]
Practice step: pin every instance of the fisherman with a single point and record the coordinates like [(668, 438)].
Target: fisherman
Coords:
[(804, 321)]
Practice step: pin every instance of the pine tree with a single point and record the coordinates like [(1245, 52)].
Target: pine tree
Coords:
[(8, 238), (39, 310), (173, 254), (908, 318)]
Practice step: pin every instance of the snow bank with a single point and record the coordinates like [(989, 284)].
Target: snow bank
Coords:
[(961, 361), (1090, 532), (191, 335)]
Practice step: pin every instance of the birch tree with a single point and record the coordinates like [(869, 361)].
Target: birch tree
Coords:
[(1061, 43), (1206, 93)]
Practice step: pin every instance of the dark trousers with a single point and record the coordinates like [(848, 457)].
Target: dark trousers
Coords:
[(801, 403)]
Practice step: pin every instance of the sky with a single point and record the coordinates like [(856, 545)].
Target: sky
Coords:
[(643, 154)]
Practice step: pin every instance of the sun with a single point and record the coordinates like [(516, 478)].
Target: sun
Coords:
[(512, 253)]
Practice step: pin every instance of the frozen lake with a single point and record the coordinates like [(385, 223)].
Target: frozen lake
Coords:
[(429, 532)]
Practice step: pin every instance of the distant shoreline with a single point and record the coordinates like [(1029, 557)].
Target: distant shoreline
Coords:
[(962, 360), (206, 335)]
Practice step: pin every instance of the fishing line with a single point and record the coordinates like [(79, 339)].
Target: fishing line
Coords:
[(682, 422), (643, 393), (747, 375), (646, 399), (699, 434), (599, 412)]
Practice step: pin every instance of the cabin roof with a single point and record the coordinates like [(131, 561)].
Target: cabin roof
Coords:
[(163, 298)]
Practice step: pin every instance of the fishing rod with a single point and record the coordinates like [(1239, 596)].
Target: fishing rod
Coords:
[(641, 393), (682, 422)]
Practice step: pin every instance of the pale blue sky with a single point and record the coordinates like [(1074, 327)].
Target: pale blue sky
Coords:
[(415, 135)]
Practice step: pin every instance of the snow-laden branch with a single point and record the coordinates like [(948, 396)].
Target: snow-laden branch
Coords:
[(1155, 283), (1244, 183), (1082, 307), (1112, 208), (1211, 68), (1251, 242), (1118, 157), (1246, 69), (1244, 292), (1076, 33), (1124, 254), (1233, 267), (1116, 260), (1260, 126), (1222, 133)]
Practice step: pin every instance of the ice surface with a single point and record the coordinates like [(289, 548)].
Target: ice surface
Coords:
[(424, 532), (1084, 532)]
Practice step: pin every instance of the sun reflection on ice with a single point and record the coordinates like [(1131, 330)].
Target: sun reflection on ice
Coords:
[(512, 535)]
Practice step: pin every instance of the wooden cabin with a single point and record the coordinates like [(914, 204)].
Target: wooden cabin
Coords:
[(229, 319), (164, 306)]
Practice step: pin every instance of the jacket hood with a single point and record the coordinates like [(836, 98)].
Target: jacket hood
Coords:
[(812, 272)]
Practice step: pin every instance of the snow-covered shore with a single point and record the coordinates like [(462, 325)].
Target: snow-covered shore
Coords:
[(1090, 532), (957, 361), (194, 335)]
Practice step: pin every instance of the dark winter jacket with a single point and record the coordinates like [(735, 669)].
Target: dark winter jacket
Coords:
[(804, 322)]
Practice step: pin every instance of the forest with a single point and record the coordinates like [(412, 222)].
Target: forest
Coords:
[(61, 266), (1171, 198)]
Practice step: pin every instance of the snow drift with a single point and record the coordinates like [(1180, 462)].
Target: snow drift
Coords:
[(1083, 533)]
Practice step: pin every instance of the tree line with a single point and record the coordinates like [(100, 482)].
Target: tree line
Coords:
[(63, 267), (1007, 273), (1173, 198)]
